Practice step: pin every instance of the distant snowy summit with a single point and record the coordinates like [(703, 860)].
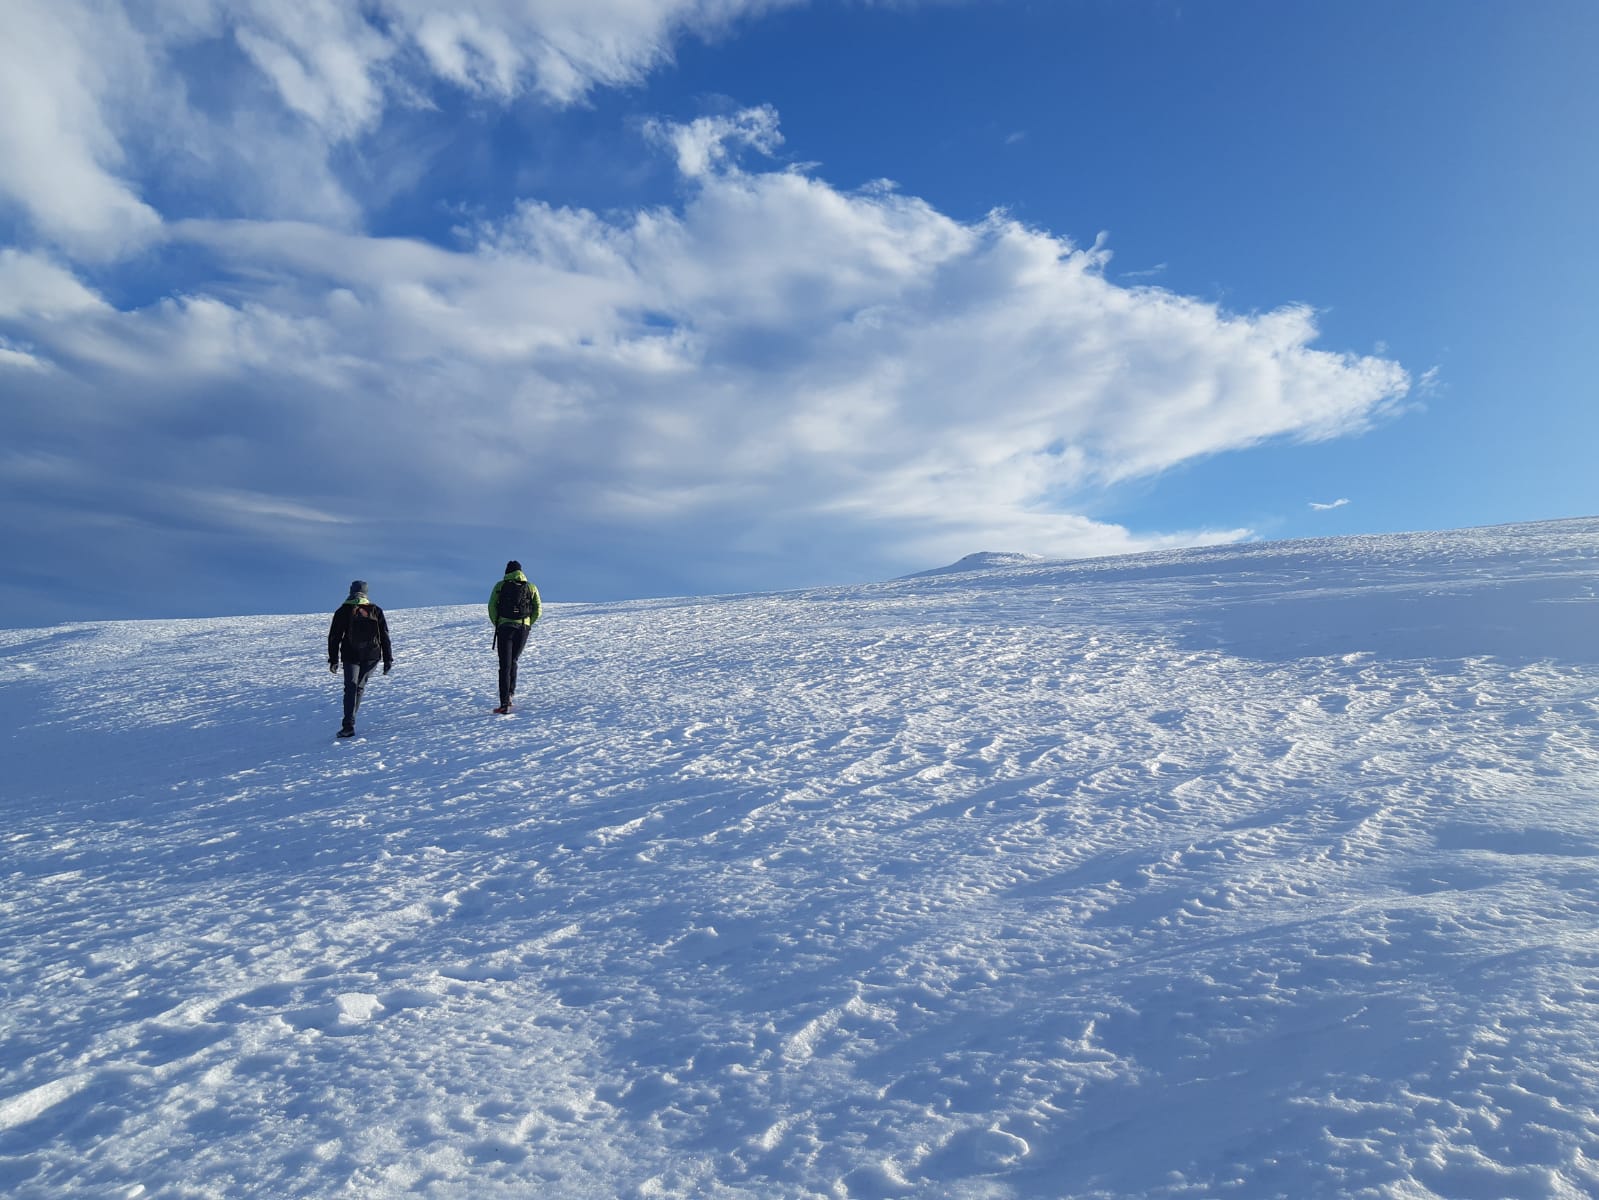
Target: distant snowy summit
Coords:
[(983, 560)]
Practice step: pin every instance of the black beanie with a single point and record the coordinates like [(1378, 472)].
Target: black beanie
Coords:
[(357, 587), (513, 565)]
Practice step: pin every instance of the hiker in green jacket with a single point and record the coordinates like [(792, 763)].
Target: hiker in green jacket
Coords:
[(513, 607)]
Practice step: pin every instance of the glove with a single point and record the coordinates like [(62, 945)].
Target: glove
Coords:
[(386, 667), (334, 667)]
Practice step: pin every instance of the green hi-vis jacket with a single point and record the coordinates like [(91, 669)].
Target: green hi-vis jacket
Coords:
[(494, 601)]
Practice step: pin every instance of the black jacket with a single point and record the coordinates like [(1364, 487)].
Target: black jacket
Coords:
[(341, 626)]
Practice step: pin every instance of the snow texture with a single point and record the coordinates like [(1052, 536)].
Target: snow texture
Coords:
[(1265, 870)]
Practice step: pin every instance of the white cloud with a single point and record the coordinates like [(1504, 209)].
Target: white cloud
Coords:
[(35, 285), (703, 144), (81, 83), (322, 56), (65, 74), (1320, 507), (13, 358), (560, 49), (778, 363), (336, 62)]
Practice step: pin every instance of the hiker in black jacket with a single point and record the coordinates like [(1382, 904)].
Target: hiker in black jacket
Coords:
[(359, 635), (513, 607)]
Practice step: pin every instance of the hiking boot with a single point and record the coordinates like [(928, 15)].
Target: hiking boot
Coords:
[(347, 731), (504, 708)]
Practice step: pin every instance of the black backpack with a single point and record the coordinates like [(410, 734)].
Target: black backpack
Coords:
[(516, 600), (364, 637)]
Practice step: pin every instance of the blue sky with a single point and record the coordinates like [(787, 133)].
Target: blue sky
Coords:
[(694, 296)]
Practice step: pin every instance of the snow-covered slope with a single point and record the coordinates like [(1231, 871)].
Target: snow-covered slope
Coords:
[(1251, 871), (983, 560)]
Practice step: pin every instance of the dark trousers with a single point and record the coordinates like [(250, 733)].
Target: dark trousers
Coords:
[(511, 641), (355, 677)]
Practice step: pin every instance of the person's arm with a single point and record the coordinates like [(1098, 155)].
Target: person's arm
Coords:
[(336, 635), (494, 604), (537, 604), (383, 637)]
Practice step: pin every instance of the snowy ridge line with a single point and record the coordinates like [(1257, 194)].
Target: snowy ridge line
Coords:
[(1262, 875)]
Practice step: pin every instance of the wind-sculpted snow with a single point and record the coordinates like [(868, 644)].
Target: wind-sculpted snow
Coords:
[(1259, 871)]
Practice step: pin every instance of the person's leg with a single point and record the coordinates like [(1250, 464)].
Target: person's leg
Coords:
[(368, 669), (503, 644), (352, 692), (355, 677), (518, 644)]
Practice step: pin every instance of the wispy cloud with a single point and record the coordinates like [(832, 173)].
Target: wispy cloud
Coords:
[(1320, 507), (1147, 273), (94, 101)]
